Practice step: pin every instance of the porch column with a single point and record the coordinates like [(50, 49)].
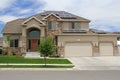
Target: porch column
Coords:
[(24, 40), (42, 35)]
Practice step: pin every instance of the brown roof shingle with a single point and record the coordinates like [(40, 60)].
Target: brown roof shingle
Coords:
[(13, 27)]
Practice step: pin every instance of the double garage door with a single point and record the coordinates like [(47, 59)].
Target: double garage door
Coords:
[(78, 49), (85, 49)]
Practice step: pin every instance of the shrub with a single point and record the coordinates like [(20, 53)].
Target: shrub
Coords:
[(55, 55), (1, 51), (13, 53)]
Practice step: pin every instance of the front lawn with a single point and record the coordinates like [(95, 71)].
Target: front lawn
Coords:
[(13, 59)]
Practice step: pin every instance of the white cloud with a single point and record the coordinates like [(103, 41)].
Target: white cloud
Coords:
[(58, 4), (24, 11), (6, 3), (7, 18)]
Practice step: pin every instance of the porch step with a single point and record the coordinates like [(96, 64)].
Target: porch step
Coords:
[(32, 55)]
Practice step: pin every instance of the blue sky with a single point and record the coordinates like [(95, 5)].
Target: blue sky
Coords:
[(104, 15)]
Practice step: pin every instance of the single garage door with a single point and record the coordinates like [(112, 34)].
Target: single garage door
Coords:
[(78, 49), (106, 49)]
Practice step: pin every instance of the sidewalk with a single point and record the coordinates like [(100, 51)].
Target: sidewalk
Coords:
[(38, 69)]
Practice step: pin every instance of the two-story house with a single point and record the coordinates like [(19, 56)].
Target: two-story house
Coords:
[(71, 34)]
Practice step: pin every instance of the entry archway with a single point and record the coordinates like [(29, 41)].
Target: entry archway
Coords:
[(33, 39)]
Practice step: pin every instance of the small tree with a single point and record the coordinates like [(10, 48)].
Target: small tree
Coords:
[(46, 47), (7, 41)]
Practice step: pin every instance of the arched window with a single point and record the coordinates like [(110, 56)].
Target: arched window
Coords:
[(34, 33)]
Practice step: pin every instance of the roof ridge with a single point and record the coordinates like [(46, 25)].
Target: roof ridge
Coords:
[(54, 10)]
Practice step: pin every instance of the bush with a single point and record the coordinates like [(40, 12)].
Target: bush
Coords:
[(55, 55), (13, 53), (1, 51), (5, 51)]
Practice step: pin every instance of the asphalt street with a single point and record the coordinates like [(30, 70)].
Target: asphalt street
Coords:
[(59, 75)]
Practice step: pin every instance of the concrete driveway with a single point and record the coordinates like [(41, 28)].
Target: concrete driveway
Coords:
[(107, 62)]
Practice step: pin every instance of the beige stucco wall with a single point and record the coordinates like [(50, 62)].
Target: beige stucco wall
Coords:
[(32, 21), (95, 40), (109, 38), (82, 26), (119, 50)]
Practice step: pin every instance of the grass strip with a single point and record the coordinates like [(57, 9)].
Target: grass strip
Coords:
[(14, 59)]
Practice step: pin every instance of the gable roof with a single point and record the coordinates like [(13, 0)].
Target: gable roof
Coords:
[(33, 17), (64, 15), (13, 27), (50, 15), (61, 14)]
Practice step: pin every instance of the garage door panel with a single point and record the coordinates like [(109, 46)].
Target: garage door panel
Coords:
[(78, 49), (106, 49)]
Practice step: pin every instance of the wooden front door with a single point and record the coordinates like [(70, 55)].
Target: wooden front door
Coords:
[(34, 44)]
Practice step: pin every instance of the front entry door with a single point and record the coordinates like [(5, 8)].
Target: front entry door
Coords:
[(34, 44)]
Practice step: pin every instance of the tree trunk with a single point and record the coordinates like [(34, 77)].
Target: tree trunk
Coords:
[(45, 60)]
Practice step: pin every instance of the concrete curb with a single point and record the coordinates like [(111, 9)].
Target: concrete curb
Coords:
[(37, 69), (37, 64)]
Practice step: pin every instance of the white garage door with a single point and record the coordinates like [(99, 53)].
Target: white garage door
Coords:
[(78, 49), (106, 49)]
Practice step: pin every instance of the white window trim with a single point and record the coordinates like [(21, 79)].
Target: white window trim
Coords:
[(33, 18)]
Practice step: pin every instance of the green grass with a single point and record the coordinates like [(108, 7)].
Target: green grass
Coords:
[(13, 59), (15, 66)]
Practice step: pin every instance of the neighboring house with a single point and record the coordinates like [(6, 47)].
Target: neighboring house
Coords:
[(71, 34)]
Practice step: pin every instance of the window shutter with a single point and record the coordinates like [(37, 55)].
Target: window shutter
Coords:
[(53, 25)]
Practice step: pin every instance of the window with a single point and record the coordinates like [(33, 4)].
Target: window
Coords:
[(52, 25), (14, 43), (77, 25), (74, 25), (34, 33)]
